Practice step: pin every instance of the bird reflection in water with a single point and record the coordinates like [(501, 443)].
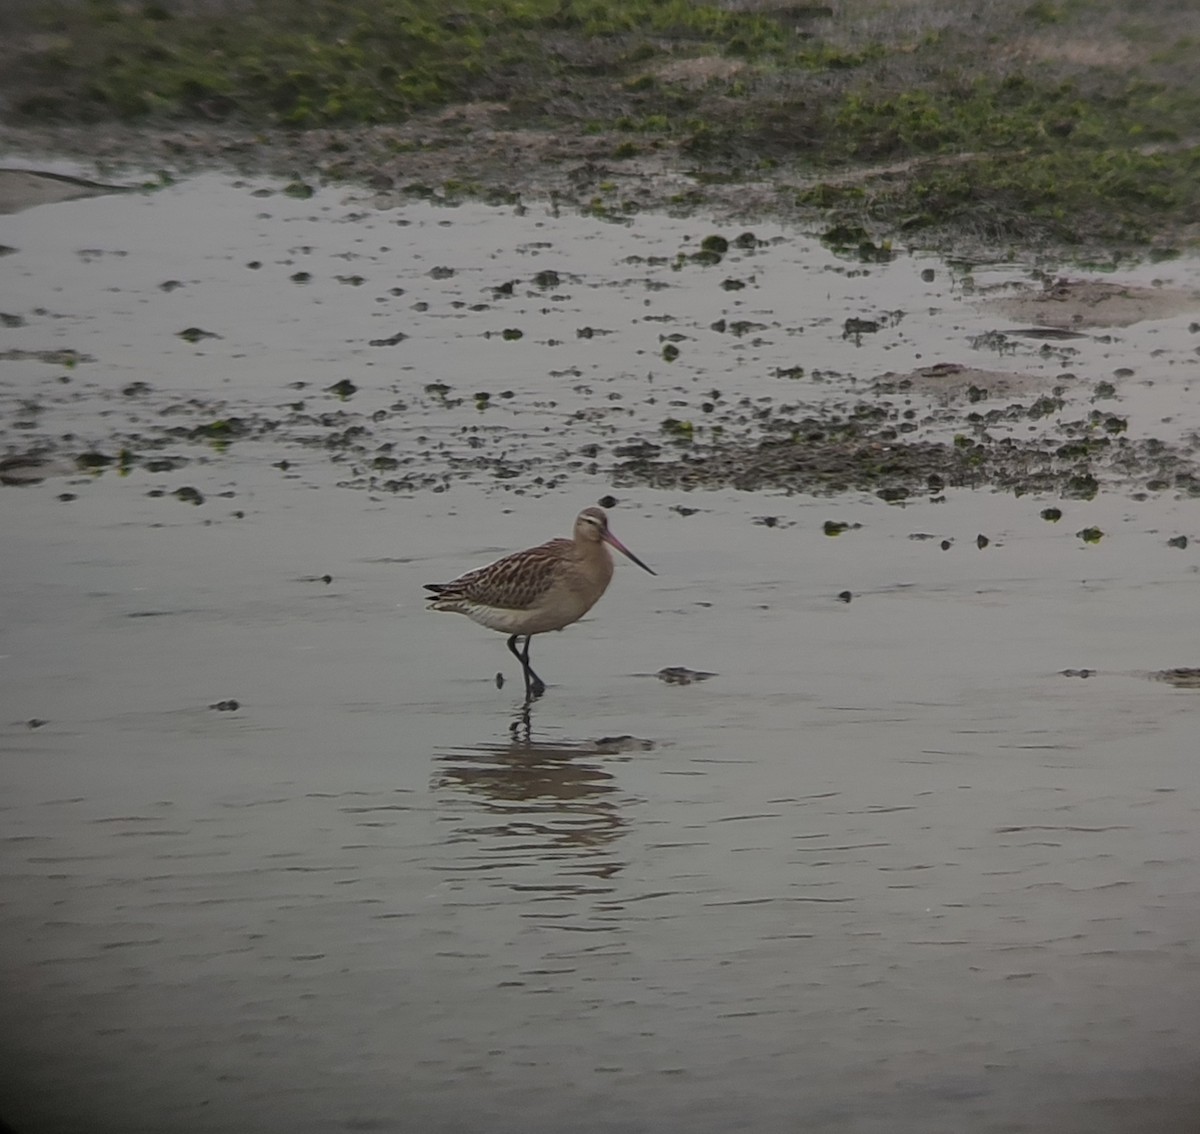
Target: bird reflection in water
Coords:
[(540, 804)]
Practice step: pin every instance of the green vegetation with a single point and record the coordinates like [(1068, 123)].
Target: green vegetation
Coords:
[(1111, 194), (336, 61), (1064, 120), (681, 431)]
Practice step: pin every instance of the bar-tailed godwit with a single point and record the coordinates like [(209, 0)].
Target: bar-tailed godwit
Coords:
[(540, 589)]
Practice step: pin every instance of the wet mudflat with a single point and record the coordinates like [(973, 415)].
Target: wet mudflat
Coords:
[(920, 855)]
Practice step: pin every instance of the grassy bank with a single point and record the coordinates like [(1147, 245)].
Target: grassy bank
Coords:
[(1074, 121)]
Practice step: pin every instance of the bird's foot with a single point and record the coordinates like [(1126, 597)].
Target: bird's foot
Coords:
[(535, 688)]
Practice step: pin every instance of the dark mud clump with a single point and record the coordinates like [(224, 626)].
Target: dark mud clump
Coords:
[(874, 447), (614, 745), (681, 675), (1182, 677)]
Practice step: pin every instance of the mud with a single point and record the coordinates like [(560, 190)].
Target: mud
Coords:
[(805, 428), (823, 827), (1071, 304)]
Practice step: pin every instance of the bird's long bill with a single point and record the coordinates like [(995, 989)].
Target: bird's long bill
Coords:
[(610, 538)]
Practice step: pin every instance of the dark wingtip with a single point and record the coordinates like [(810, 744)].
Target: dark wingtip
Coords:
[(437, 588)]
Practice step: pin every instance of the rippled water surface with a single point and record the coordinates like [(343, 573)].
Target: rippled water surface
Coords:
[(889, 869)]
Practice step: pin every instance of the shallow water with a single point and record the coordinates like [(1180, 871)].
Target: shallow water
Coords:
[(890, 869)]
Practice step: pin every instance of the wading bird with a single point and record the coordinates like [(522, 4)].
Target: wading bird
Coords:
[(540, 589)]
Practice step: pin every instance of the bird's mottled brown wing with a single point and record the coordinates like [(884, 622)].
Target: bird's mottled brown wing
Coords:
[(515, 582)]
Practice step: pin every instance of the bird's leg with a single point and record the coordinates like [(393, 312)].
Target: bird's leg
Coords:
[(512, 649), (533, 684)]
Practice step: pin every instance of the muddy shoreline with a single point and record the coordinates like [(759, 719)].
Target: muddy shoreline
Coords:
[(896, 435), (921, 428)]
